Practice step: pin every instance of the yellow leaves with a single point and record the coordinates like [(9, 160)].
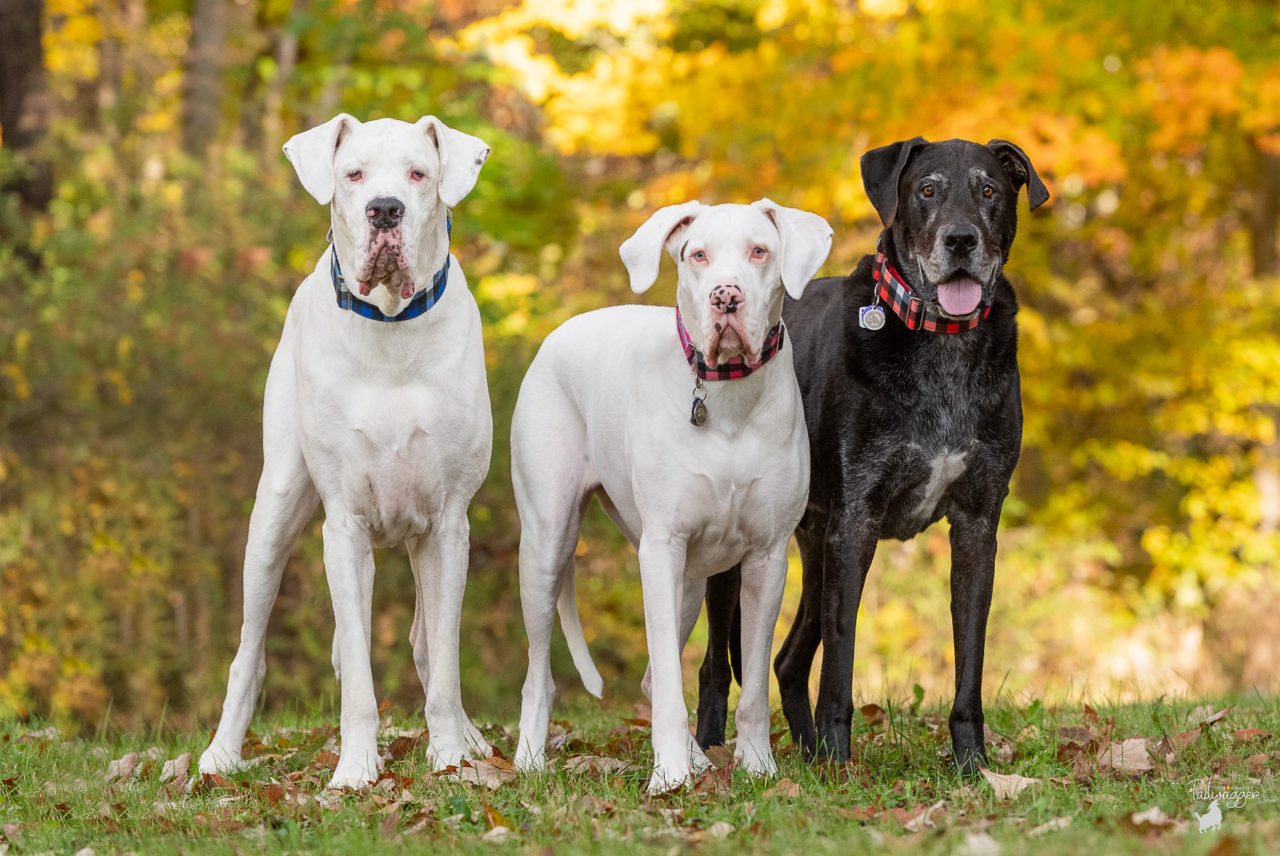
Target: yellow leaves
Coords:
[(71, 39), (21, 388)]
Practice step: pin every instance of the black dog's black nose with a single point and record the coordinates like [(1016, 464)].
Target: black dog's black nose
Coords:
[(962, 238), (385, 212)]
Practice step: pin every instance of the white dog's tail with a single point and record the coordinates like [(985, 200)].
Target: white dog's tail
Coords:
[(567, 604)]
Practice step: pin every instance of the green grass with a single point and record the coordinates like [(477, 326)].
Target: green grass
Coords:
[(54, 797)]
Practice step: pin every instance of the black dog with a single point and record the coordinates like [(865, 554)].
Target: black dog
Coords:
[(909, 374)]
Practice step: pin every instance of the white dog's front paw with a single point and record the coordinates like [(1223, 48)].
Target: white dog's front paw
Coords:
[(668, 777), (446, 752), (530, 759), (354, 774), (219, 759), (755, 762)]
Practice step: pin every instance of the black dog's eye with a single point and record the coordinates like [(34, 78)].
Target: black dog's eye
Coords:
[(988, 190), (927, 190)]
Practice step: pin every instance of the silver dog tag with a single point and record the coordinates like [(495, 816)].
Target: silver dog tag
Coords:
[(871, 317), (698, 413)]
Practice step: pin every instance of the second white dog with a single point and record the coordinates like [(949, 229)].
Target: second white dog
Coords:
[(687, 426)]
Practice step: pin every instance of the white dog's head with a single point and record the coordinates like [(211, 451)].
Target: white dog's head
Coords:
[(389, 184), (733, 262)]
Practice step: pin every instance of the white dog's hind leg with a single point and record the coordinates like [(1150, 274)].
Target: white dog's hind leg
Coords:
[(348, 558), (549, 474), (442, 559), (285, 502), (763, 578)]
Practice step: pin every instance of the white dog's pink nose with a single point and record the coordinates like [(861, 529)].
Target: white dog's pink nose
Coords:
[(726, 299)]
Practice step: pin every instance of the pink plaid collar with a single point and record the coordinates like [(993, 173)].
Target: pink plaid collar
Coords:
[(734, 367), (893, 290)]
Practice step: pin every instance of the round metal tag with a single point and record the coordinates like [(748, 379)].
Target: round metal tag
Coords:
[(871, 317), (698, 415)]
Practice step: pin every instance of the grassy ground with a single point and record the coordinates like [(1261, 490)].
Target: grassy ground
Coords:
[(1096, 792)]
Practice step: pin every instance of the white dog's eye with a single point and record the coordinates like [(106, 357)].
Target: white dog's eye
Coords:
[(417, 175), (759, 252), (355, 175), (699, 256)]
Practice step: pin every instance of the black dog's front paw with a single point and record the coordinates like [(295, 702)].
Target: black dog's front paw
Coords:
[(967, 748)]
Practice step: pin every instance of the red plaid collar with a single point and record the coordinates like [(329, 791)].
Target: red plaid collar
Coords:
[(734, 367), (913, 311)]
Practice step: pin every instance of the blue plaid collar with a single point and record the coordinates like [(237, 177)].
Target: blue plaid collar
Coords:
[(418, 304)]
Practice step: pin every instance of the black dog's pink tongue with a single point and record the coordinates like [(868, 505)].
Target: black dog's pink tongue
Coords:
[(960, 296)]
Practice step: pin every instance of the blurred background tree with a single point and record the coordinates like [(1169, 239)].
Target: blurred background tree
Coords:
[(147, 282)]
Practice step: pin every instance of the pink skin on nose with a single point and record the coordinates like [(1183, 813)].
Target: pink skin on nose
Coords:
[(726, 325), (386, 263)]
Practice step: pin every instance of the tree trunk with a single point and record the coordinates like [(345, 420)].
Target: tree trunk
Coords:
[(202, 82), (1265, 221), (24, 104)]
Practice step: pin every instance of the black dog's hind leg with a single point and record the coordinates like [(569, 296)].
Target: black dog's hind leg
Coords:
[(724, 651), (973, 564), (850, 546), (795, 659)]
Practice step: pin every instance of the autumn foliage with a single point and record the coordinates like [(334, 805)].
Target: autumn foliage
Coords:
[(143, 304)]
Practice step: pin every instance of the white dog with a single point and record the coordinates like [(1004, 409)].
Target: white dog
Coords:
[(376, 405), (606, 410)]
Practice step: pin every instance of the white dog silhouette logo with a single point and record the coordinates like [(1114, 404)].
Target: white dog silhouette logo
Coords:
[(1211, 819)]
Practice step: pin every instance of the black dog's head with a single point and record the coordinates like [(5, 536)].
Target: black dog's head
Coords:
[(950, 214)]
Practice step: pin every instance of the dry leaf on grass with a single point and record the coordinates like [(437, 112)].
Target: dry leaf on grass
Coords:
[(480, 773), (978, 844), (720, 829), (50, 733), (1247, 734), (873, 713), (721, 756), (176, 770), (498, 834), (925, 819), (784, 788), (596, 764), (1007, 786), (1128, 756), (1051, 825), (122, 769), (1206, 715), (1145, 822), (593, 805)]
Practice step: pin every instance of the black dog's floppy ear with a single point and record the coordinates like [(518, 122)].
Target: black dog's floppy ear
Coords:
[(1020, 171), (881, 170)]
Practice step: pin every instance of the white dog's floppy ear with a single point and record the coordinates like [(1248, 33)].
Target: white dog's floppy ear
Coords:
[(806, 240), (311, 153), (642, 252), (461, 156)]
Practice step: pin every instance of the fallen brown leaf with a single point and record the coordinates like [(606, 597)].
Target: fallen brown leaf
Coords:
[(713, 781), (1051, 826), (1128, 756), (390, 825), (873, 714), (592, 805), (176, 770), (481, 773), (1007, 786), (123, 768), (1247, 734), (783, 788), (1226, 846), (325, 761), (494, 818), (1208, 716), (721, 756), (596, 764), (1146, 822)]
